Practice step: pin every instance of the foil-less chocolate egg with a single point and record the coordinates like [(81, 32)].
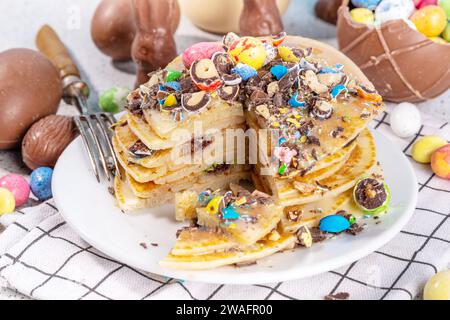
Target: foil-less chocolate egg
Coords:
[(46, 140), (438, 287), (30, 89), (405, 120)]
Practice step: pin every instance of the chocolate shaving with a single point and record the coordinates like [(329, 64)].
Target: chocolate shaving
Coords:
[(338, 296)]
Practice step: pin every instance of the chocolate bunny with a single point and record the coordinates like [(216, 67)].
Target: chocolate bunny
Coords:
[(260, 18), (154, 45)]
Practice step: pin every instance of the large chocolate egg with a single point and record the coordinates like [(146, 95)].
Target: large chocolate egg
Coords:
[(46, 140), (30, 89), (113, 28), (402, 63)]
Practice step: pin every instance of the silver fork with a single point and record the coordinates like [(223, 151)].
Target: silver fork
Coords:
[(94, 127)]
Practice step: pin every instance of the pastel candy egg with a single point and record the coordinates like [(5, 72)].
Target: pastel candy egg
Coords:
[(18, 186), (440, 162), (199, 51), (363, 15), (430, 20), (423, 149), (446, 33), (334, 224), (248, 50), (41, 183), (438, 287), (7, 202), (405, 120), (114, 99), (389, 10), (368, 4), (445, 4)]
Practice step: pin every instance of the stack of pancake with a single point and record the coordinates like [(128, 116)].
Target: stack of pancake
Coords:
[(310, 106)]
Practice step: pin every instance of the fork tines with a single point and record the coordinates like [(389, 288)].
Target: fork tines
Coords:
[(95, 131)]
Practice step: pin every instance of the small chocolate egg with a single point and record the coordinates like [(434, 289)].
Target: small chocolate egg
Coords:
[(430, 20), (334, 223), (248, 50), (424, 148), (41, 183), (438, 287), (199, 51), (363, 15), (18, 186), (368, 4), (30, 89), (7, 202), (405, 120), (46, 140)]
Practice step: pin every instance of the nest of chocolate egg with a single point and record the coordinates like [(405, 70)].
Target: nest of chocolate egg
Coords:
[(402, 63)]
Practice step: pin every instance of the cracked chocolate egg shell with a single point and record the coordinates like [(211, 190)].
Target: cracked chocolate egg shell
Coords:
[(30, 89), (46, 140), (403, 64)]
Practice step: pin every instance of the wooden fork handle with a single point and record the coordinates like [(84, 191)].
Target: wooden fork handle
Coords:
[(51, 46)]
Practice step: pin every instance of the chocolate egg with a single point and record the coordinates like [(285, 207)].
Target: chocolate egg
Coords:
[(46, 140), (30, 89), (113, 28)]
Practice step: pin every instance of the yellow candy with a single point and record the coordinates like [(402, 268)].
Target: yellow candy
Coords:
[(438, 287), (250, 51), (213, 204), (363, 15), (7, 201), (423, 149), (287, 55), (170, 101), (430, 20)]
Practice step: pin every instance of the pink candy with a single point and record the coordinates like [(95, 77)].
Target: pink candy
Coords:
[(18, 186), (202, 50), (423, 3), (284, 154)]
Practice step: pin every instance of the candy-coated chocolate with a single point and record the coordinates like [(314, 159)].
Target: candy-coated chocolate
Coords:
[(18, 186), (41, 183), (287, 55), (438, 287), (248, 50), (279, 71), (199, 51), (424, 3), (337, 90), (170, 101), (367, 4), (430, 20), (213, 204), (445, 4), (245, 71), (173, 75), (114, 99), (440, 162), (295, 102), (446, 33), (334, 224), (363, 15), (423, 148), (229, 213), (405, 120), (7, 202)]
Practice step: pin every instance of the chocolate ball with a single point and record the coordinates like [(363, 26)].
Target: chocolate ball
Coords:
[(46, 140), (30, 89), (113, 28)]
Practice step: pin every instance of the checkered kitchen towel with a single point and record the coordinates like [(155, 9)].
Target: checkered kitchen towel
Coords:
[(43, 258)]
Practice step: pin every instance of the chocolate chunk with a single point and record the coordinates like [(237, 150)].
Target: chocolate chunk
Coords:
[(289, 79), (187, 85), (195, 102), (338, 296), (258, 97), (223, 63), (322, 110), (318, 235), (313, 140), (355, 229), (228, 93), (140, 150), (278, 100)]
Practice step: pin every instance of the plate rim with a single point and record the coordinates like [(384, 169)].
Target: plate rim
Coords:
[(281, 275)]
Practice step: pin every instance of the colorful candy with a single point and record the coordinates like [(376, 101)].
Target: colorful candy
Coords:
[(440, 162), (337, 90), (172, 75), (423, 148), (423, 3), (248, 50), (445, 4), (18, 186), (430, 20), (363, 15), (296, 102), (334, 224), (7, 202), (284, 154), (287, 55), (213, 204), (170, 101), (371, 196), (41, 183), (278, 71), (367, 4), (114, 99), (245, 71), (229, 213), (446, 33), (199, 51), (405, 120), (438, 287)]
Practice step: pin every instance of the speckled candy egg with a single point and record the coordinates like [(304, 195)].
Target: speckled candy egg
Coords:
[(248, 50), (405, 120), (199, 51), (7, 201), (438, 287), (393, 10), (18, 186), (368, 4), (41, 183)]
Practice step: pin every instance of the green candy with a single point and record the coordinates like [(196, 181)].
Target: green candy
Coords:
[(446, 33), (114, 99), (282, 169), (445, 4), (377, 210), (173, 75)]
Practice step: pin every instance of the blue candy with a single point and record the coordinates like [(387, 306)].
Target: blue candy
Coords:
[(337, 90), (175, 85), (245, 71), (294, 102), (229, 213), (369, 4), (334, 224), (279, 71), (41, 183), (281, 141)]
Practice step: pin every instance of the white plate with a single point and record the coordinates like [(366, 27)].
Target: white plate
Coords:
[(90, 210)]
